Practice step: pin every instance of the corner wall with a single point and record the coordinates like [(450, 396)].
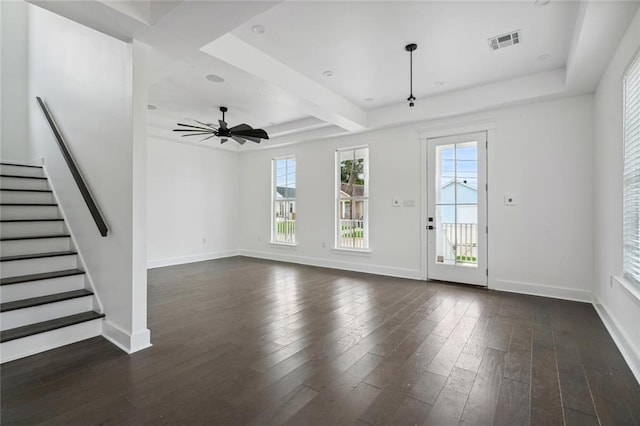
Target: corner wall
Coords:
[(542, 152), (193, 203), (86, 78), (617, 304)]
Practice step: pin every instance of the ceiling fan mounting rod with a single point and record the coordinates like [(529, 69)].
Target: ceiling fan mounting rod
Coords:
[(223, 109)]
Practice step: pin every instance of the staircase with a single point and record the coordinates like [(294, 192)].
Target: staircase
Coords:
[(45, 297)]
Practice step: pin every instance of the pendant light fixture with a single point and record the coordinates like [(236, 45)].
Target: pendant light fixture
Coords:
[(411, 99)]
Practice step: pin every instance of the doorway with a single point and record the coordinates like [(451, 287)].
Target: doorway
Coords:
[(457, 208)]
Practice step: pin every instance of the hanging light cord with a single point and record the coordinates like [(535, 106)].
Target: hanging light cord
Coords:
[(410, 48)]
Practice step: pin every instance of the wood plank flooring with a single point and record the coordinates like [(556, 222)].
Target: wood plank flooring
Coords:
[(246, 341)]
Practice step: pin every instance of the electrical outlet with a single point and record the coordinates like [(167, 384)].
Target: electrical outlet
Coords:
[(324, 245), (258, 239), (204, 241)]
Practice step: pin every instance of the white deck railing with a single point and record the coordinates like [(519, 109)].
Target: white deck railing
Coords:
[(351, 233), (459, 242), (285, 231)]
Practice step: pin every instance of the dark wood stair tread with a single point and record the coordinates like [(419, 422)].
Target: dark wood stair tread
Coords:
[(30, 220), (25, 190), (22, 177), (37, 255), (42, 327), (43, 300), (38, 277), (34, 237), (19, 165)]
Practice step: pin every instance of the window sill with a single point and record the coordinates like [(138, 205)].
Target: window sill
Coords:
[(628, 286), (273, 243), (352, 251)]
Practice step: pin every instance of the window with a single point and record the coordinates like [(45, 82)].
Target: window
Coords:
[(631, 207), (352, 198), (284, 200)]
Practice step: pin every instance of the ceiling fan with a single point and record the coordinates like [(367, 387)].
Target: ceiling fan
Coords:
[(240, 133)]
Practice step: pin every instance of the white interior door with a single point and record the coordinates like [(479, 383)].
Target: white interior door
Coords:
[(457, 209)]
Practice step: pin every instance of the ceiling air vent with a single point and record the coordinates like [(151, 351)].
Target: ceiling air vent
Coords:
[(504, 40)]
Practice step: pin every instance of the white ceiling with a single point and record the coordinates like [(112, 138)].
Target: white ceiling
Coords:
[(274, 80)]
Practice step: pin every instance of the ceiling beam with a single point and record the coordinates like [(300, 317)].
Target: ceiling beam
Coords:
[(318, 101)]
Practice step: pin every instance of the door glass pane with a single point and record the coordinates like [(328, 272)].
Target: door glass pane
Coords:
[(457, 204), (467, 236), (445, 234), (466, 173), (445, 174)]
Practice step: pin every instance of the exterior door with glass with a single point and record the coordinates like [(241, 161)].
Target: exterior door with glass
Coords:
[(456, 209)]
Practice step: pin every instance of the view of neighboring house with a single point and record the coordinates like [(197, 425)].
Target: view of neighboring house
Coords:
[(457, 217)]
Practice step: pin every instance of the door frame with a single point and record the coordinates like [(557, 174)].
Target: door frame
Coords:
[(488, 126)]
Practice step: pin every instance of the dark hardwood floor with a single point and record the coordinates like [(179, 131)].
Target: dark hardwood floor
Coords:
[(245, 341)]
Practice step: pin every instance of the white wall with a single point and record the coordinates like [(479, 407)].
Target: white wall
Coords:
[(192, 195), (542, 152), (86, 77), (13, 77), (619, 308)]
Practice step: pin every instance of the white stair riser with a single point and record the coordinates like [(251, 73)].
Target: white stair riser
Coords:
[(17, 183), (26, 197), (17, 268), (38, 245), (26, 316), (28, 229), (21, 171), (13, 292), (20, 348), (29, 212)]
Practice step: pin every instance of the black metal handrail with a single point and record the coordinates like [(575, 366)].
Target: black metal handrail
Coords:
[(77, 176)]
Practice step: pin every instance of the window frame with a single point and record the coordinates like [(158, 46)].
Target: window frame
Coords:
[(631, 174), (287, 201), (366, 248)]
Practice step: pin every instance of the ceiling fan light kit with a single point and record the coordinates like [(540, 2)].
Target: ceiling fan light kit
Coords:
[(240, 133), (411, 99)]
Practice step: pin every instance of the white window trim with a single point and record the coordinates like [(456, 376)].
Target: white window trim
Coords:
[(336, 238), (631, 191), (274, 191)]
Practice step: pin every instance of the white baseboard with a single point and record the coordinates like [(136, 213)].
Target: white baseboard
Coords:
[(535, 289), (628, 349), (129, 343), (413, 274), (158, 263)]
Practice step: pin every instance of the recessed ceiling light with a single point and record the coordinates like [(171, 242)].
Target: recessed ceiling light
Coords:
[(215, 78), (369, 100), (439, 83), (151, 107), (327, 74), (262, 95), (258, 29), (543, 57), (541, 3)]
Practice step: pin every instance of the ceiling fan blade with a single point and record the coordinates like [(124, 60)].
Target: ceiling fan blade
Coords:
[(251, 138), (205, 124), (240, 127), (223, 124), (194, 130), (237, 139), (199, 134), (193, 127), (255, 133)]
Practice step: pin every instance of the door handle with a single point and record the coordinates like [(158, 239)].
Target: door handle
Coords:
[(430, 227)]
